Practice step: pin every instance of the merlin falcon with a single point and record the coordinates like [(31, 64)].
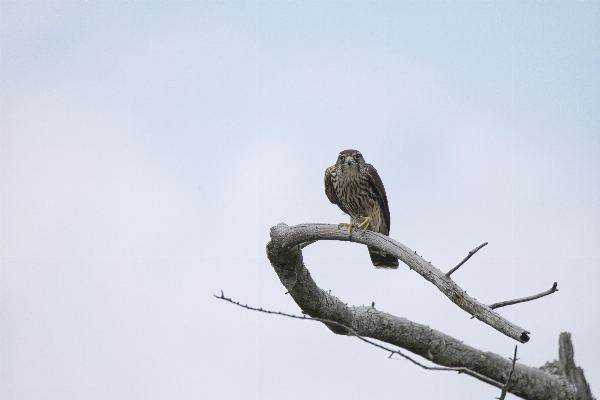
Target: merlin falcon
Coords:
[(356, 188)]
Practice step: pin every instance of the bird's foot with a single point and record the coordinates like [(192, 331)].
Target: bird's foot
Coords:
[(360, 222), (364, 222), (350, 226)]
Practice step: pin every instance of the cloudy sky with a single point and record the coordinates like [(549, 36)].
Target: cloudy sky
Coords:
[(147, 148)]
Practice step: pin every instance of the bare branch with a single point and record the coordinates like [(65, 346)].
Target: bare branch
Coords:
[(286, 258), (505, 387), (524, 299), (353, 333), (287, 237), (475, 250)]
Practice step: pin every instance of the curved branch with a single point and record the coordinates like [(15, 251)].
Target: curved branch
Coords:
[(295, 235), (286, 258)]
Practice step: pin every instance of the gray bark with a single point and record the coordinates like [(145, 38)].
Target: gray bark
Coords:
[(284, 252)]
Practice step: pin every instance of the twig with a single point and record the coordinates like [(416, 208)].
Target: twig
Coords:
[(237, 303), (505, 387), (475, 250), (353, 333), (524, 299)]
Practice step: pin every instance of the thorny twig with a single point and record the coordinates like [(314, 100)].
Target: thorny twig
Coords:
[(353, 333)]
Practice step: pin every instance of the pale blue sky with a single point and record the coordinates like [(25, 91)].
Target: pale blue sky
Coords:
[(148, 147)]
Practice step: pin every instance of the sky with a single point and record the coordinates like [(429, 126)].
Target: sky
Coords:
[(147, 148)]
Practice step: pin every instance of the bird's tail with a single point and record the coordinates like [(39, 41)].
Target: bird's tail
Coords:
[(382, 260)]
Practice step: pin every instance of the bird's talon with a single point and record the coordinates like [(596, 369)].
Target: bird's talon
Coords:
[(350, 226), (365, 221)]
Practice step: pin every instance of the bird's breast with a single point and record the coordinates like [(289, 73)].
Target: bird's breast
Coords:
[(357, 196)]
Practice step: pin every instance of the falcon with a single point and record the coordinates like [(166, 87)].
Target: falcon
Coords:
[(356, 188)]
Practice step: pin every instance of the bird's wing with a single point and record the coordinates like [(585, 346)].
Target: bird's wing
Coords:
[(330, 191), (377, 185)]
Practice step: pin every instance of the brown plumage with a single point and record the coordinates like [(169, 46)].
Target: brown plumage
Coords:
[(356, 188)]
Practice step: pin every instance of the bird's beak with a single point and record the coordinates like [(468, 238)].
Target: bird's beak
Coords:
[(349, 160)]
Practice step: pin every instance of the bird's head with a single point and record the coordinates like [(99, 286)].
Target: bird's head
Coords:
[(350, 159)]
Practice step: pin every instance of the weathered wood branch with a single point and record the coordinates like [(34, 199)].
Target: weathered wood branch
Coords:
[(566, 357), (285, 256), (295, 235)]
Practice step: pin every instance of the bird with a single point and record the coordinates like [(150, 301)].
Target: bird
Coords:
[(356, 188)]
